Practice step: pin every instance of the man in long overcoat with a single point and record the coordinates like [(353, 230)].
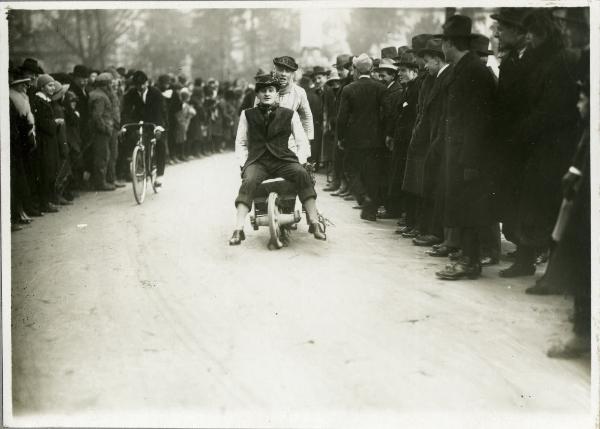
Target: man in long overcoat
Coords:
[(468, 109), (101, 130), (360, 133)]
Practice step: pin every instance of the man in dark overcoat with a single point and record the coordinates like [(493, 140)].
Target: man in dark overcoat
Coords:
[(145, 103), (549, 133), (468, 109), (101, 129), (360, 133)]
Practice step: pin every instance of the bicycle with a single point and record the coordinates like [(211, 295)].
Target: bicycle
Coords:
[(143, 160)]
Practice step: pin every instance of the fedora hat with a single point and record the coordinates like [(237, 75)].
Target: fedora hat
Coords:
[(363, 63), (456, 26), (319, 70), (17, 76), (81, 71), (389, 52), (512, 16), (432, 48), (341, 61), (407, 59), (31, 65), (138, 77), (265, 81), (480, 44), (286, 62), (387, 64), (418, 42), (376, 62)]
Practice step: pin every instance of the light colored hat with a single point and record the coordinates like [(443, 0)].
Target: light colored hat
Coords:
[(43, 80), (363, 63), (104, 77), (387, 63), (333, 76)]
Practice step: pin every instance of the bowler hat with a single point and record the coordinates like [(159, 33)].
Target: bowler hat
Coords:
[(512, 16), (31, 65), (389, 52), (265, 81), (418, 42), (319, 70), (456, 26), (387, 64), (480, 45), (139, 77), (17, 76), (286, 62), (432, 48), (62, 78), (341, 61), (407, 59), (81, 71)]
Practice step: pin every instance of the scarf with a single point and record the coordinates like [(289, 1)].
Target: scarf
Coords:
[(21, 102)]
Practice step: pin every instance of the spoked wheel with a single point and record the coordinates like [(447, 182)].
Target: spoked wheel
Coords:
[(153, 168), (138, 175), (273, 218)]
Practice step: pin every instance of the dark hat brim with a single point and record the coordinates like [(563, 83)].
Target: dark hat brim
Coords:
[(261, 85), (450, 36), (506, 20), (431, 52), (286, 65)]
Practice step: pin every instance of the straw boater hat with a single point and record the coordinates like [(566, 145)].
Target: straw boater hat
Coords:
[(387, 64)]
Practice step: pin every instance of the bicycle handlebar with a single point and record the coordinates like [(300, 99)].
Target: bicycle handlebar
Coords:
[(139, 124)]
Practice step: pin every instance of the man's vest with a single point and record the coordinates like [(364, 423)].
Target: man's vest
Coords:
[(272, 136)]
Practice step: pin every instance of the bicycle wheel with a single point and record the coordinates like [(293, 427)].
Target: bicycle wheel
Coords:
[(138, 175), (153, 167)]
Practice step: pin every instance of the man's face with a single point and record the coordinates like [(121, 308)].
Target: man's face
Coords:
[(508, 37), (406, 74), (283, 75), (533, 40), (267, 95), (81, 81), (115, 83), (386, 76), (141, 87), (320, 80), (432, 64), (335, 85), (93, 76), (342, 72)]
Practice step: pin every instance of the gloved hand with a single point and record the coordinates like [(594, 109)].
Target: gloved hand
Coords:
[(570, 183)]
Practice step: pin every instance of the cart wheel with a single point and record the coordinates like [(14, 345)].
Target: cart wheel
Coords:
[(273, 217), (138, 175)]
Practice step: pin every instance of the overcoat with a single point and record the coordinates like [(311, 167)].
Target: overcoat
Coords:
[(46, 153), (467, 139), (550, 132)]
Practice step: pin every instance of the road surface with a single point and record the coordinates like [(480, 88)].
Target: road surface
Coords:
[(143, 315)]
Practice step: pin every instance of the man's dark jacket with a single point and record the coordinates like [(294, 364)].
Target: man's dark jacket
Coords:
[(359, 121), (135, 110)]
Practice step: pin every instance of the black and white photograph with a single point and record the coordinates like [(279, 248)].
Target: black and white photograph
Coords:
[(300, 214)]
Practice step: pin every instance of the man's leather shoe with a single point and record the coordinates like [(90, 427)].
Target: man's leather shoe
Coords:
[(50, 208), (440, 252), (64, 202), (34, 212), (370, 216), (119, 184), (318, 230), (426, 240), (517, 270), (15, 227), (349, 198), (333, 187), (237, 237), (401, 221), (460, 270), (541, 289), (456, 255), (358, 207), (387, 215), (404, 229), (105, 187), (411, 234)]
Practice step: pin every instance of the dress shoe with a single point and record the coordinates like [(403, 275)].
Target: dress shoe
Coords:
[(318, 230), (440, 252), (487, 260), (64, 202), (237, 237), (426, 240), (404, 229), (157, 183), (387, 215), (15, 227), (34, 212), (49, 208), (517, 270), (105, 187), (401, 221), (460, 270), (68, 195), (575, 347), (345, 194), (542, 258), (119, 184), (456, 255), (541, 289), (368, 215), (333, 187), (349, 198), (358, 207), (411, 234)]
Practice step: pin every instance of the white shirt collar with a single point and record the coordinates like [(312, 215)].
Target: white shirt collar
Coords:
[(365, 76), (442, 69)]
